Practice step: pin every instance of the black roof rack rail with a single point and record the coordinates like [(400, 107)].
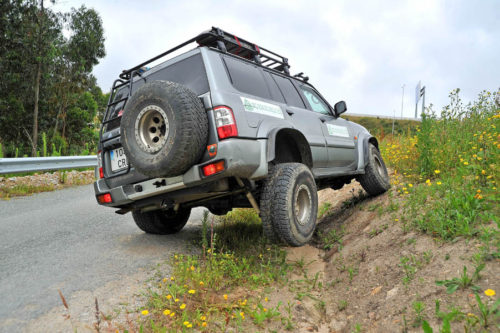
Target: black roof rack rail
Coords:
[(227, 43)]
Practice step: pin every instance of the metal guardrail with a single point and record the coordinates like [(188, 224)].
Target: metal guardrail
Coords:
[(31, 164)]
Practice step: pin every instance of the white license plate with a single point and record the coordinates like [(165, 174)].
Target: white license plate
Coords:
[(118, 159)]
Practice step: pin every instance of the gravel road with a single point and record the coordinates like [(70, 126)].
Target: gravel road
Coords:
[(64, 240)]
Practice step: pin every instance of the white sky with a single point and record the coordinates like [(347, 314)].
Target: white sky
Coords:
[(358, 51)]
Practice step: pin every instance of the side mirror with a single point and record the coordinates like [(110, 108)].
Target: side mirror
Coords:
[(339, 108)]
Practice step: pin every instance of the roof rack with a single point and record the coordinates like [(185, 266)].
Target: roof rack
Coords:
[(227, 43)]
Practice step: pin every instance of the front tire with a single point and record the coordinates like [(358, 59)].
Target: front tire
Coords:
[(161, 222), (375, 181), (294, 203)]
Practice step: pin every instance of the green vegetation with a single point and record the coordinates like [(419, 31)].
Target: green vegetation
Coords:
[(450, 167), (202, 290), (380, 127), (47, 86), (464, 281)]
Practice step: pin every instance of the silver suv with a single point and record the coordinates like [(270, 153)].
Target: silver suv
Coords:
[(225, 125)]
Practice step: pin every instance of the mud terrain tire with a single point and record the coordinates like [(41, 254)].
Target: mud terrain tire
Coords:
[(294, 203), (164, 129), (375, 181), (160, 222)]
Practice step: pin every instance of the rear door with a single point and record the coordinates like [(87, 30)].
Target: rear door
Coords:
[(305, 121), (339, 139)]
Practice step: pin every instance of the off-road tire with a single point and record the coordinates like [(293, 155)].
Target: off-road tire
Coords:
[(294, 203), (375, 181), (160, 222), (266, 197), (184, 135)]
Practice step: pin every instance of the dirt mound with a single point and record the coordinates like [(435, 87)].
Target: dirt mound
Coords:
[(369, 273)]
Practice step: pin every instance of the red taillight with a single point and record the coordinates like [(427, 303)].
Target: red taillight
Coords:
[(99, 164), (224, 121), (105, 198), (213, 168)]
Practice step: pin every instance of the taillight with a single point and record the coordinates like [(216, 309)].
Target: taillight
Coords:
[(213, 168), (224, 121), (99, 164), (105, 198)]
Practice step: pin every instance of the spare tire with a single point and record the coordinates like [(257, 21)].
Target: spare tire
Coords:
[(164, 129)]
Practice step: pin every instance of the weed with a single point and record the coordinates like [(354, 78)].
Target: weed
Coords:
[(331, 238), (323, 209), (342, 305), (419, 308), (463, 282)]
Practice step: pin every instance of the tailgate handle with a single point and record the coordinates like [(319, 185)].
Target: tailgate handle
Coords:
[(290, 112)]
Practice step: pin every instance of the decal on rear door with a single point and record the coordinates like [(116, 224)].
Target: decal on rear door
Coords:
[(253, 105)]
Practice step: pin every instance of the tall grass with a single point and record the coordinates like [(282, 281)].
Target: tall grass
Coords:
[(454, 157)]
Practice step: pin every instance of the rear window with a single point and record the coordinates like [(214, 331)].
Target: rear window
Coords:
[(247, 78), (189, 72), (291, 94)]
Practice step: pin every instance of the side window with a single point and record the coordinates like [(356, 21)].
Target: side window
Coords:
[(247, 78), (291, 94), (273, 88), (316, 103)]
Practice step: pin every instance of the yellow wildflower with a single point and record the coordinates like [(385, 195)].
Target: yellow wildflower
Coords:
[(203, 318), (191, 291), (437, 172), (410, 185), (439, 183), (192, 268), (183, 306), (172, 314), (466, 163), (176, 300), (264, 309), (189, 325), (489, 292), (169, 296), (164, 279), (225, 297), (202, 283), (204, 324), (242, 314), (172, 278), (166, 312), (185, 323), (145, 312), (266, 299)]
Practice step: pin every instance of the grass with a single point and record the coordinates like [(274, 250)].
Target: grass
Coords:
[(450, 167), (204, 290), (23, 189)]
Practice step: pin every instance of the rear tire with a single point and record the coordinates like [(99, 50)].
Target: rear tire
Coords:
[(161, 222), (293, 204), (375, 181)]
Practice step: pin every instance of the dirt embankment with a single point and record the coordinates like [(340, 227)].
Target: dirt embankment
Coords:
[(375, 276)]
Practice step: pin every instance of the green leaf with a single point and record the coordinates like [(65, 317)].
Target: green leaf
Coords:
[(452, 288), (426, 327)]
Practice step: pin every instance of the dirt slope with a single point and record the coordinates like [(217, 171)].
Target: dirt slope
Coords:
[(373, 280)]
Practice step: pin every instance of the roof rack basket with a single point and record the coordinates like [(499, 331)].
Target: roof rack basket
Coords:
[(227, 43)]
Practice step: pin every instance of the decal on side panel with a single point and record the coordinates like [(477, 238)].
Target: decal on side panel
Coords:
[(335, 130)]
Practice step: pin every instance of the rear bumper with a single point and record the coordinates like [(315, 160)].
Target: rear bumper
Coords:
[(243, 158)]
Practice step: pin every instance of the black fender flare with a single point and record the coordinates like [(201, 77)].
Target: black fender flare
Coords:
[(366, 140), (300, 141)]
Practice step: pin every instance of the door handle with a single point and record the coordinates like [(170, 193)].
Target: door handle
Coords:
[(323, 119), (290, 112)]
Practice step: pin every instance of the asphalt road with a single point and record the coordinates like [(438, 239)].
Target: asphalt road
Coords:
[(64, 240)]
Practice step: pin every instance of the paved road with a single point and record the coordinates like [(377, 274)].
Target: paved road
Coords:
[(64, 240)]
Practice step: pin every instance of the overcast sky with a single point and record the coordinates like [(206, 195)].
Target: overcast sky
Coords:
[(358, 51)]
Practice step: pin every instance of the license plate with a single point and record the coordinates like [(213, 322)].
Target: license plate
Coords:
[(118, 159)]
